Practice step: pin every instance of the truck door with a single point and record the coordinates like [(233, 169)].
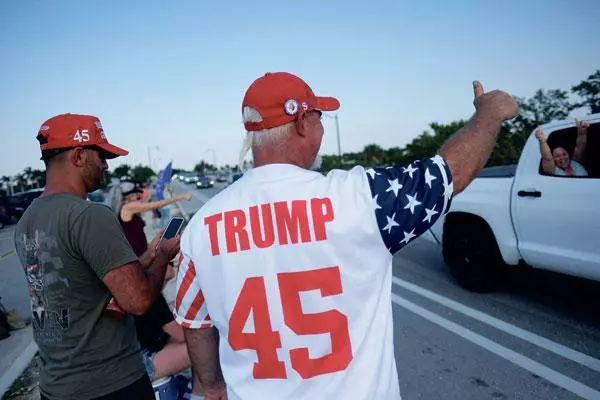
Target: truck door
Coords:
[(557, 218)]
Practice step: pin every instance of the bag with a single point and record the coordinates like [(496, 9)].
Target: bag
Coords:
[(15, 321), (3, 323)]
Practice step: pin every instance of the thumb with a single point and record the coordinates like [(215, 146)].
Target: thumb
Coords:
[(477, 89)]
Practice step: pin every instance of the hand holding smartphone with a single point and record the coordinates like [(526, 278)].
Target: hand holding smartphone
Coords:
[(172, 230)]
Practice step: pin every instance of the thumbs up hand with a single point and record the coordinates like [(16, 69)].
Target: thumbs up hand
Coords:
[(498, 104)]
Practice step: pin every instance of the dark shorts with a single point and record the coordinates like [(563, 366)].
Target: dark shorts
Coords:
[(138, 390)]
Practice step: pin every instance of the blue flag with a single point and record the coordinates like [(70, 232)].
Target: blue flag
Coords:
[(163, 178)]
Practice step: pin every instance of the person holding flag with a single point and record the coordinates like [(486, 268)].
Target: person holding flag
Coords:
[(164, 177)]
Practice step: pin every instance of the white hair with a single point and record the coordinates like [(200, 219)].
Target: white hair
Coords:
[(273, 137)]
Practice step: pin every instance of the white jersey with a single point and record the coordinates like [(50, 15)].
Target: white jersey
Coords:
[(294, 270)]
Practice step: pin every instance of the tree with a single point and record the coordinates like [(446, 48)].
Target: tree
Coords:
[(6, 183), (543, 107), (590, 91), (203, 167), (19, 183), (141, 173), (540, 109), (427, 144), (122, 170), (38, 178)]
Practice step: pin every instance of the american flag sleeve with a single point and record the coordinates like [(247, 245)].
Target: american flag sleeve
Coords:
[(190, 307), (408, 200)]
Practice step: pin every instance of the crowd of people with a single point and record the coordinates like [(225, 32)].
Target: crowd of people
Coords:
[(283, 290)]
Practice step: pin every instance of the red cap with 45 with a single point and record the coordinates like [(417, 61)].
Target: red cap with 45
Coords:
[(73, 130)]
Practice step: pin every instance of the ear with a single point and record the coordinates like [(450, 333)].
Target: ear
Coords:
[(78, 156), (302, 124)]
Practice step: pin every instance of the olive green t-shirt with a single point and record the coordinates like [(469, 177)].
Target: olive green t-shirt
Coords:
[(66, 246)]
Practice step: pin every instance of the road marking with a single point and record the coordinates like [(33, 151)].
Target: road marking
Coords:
[(530, 365), (7, 254), (530, 337), (17, 367)]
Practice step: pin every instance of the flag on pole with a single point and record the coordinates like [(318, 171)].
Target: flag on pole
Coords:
[(163, 178)]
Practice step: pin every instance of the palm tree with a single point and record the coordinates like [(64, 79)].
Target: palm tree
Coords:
[(38, 178), (20, 182), (27, 176), (6, 183)]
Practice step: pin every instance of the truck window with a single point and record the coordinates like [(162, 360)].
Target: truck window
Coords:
[(572, 158)]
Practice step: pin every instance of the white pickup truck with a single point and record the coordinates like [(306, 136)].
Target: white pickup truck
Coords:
[(518, 215)]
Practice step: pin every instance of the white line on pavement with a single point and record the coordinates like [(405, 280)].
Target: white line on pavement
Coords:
[(530, 337), (17, 368), (530, 365)]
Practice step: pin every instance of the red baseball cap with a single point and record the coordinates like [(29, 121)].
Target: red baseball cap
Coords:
[(73, 130), (279, 97)]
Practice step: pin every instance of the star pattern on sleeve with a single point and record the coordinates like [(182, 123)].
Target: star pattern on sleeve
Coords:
[(409, 199)]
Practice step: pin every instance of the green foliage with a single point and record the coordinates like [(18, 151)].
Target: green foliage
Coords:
[(589, 90), (543, 107), (203, 167), (122, 170), (142, 173)]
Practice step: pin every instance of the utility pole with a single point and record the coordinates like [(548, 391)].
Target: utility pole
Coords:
[(337, 129), (150, 148), (214, 157)]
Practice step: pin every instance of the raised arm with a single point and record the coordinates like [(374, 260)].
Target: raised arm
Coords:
[(467, 151), (135, 207), (582, 130), (548, 165)]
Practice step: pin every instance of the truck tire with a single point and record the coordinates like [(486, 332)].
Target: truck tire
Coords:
[(471, 252)]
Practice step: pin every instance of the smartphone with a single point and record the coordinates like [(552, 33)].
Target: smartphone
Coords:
[(173, 229)]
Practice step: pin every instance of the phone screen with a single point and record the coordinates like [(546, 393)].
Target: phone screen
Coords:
[(173, 228)]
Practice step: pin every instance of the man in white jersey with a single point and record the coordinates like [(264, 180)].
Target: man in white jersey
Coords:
[(293, 268)]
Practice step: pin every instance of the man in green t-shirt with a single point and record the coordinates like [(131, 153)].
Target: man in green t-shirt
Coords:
[(76, 258)]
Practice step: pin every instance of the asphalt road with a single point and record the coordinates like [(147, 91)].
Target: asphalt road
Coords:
[(539, 338), (13, 289)]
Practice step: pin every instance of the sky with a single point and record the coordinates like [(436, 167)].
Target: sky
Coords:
[(167, 78)]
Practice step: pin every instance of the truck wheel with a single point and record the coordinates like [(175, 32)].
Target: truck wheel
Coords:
[(471, 252)]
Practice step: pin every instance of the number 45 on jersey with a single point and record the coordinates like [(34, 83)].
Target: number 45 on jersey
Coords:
[(265, 341)]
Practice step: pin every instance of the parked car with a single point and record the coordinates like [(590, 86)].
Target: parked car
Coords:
[(221, 178), (14, 206), (25, 198), (204, 182), (3, 216), (520, 216), (12, 210)]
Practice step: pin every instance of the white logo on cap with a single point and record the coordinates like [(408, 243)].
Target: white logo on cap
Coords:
[(82, 136), (291, 107), (304, 106)]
